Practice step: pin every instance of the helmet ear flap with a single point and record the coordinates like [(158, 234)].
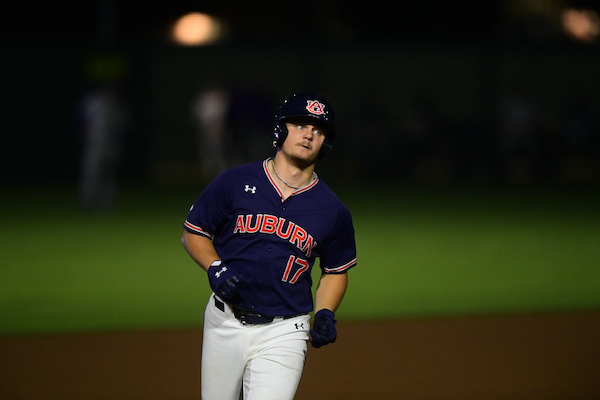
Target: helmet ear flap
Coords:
[(325, 149), (281, 133)]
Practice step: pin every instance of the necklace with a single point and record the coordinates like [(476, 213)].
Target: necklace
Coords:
[(292, 186)]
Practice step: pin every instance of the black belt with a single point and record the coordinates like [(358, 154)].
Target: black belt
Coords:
[(247, 317)]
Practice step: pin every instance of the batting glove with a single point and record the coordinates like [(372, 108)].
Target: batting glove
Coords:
[(323, 331), (224, 281)]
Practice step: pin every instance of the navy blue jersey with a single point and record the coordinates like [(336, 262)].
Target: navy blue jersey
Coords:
[(271, 242)]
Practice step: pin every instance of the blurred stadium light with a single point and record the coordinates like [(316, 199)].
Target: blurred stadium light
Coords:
[(195, 29), (581, 25)]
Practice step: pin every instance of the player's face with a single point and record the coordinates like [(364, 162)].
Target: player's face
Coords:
[(303, 141)]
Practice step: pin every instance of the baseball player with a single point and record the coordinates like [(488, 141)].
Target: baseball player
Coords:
[(257, 230)]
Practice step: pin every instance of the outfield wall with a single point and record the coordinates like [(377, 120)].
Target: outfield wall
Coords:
[(434, 105)]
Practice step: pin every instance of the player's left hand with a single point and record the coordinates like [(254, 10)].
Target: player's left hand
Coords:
[(323, 331)]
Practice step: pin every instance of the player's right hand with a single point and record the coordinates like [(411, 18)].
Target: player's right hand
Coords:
[(224, 280)]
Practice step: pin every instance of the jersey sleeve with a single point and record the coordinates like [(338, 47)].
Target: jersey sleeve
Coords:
[(210, 209), (339, 251)]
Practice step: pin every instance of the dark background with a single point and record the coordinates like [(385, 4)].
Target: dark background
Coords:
[(418, 87)]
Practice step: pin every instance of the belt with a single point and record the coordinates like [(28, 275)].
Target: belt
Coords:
[(247, 317)]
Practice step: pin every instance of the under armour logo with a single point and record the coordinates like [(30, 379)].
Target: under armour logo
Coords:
[(219, 273), (250, 189), (300, 325), (314, 107)]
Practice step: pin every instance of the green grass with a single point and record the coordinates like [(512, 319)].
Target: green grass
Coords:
[(421, 253), (68, 271), (476, 253)]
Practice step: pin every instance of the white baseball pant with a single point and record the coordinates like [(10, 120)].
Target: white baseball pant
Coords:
[(265, 360)]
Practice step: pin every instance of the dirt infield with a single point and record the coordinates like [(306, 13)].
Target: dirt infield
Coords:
[(544, 356)]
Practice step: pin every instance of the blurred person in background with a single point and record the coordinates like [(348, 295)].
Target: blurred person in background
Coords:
[(105, 118), (210, 110)]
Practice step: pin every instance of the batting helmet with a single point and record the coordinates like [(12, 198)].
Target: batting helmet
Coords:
[(306, 105)]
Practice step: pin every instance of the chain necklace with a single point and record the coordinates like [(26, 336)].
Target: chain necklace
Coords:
[(291, 186)]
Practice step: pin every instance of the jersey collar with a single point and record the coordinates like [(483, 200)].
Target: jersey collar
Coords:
[(272, 180)]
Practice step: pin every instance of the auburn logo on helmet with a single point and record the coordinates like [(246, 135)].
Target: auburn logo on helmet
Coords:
[(314, 107)]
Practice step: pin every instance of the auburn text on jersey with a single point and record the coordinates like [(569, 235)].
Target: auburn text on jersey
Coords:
[(273, 225)]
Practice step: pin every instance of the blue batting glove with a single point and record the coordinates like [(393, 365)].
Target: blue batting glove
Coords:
[(224, 281), (323, 331)]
